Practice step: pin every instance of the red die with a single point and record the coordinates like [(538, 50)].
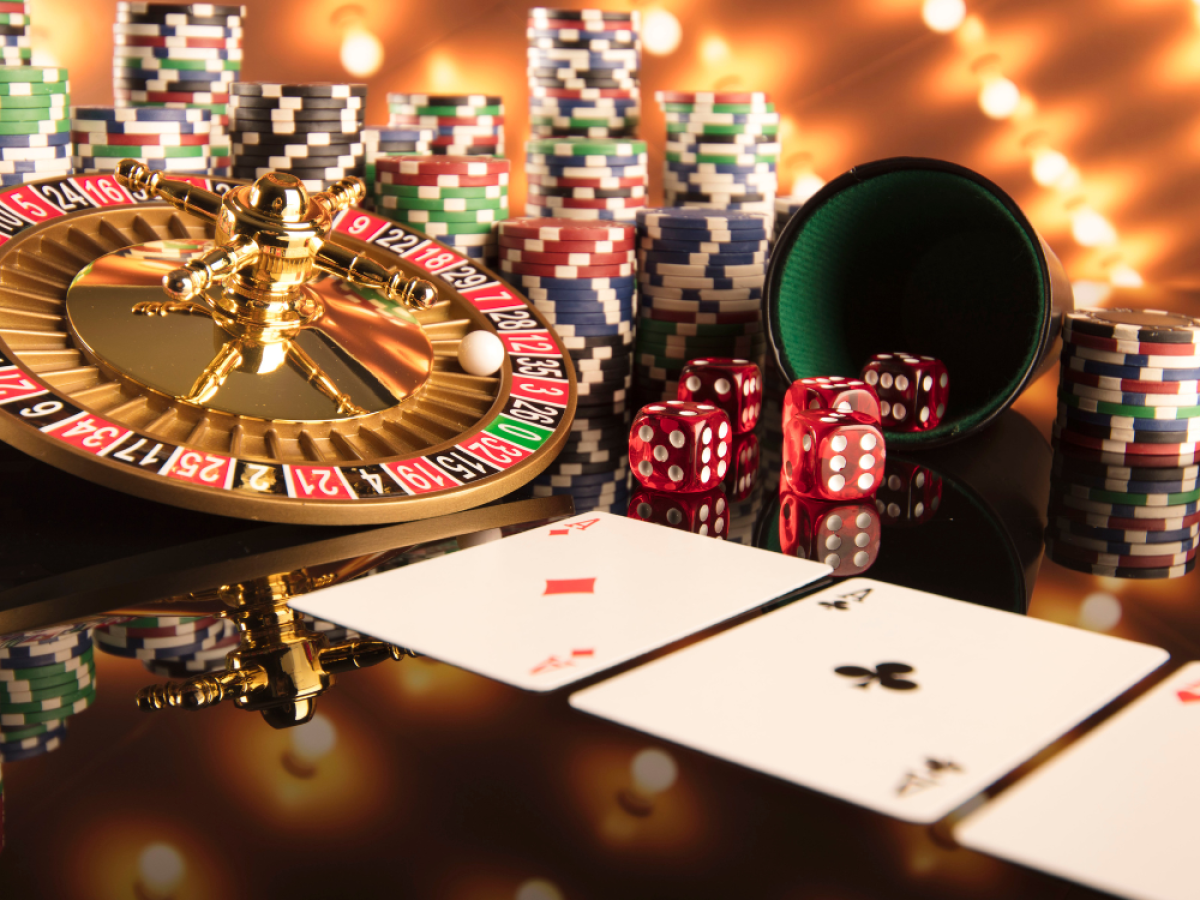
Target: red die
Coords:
[(845, 536), (704, 513), (909, 495), (734, 385), (912, 390), (743, 473), (831, 392), (832, 455), (679, 446)]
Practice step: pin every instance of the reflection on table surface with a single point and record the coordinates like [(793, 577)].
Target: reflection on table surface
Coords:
[(421, 778)]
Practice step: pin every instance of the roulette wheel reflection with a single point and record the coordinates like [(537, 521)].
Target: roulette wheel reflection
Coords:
[(300, 369)]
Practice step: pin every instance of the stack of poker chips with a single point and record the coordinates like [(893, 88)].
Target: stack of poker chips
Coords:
[(785, 208), (312, 131), (174, 141), (583, 73), (700, 282), (14, 26), (187, 663), (180, 56), (162, 639), (586, 178), (35, 139), (463, 124), (455, 199), (579, 275), (388, 141), (722, 150), (42, 684), (333, 632), (1125, 491)]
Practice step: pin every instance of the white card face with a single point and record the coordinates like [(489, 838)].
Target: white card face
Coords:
[(554, 605), (904, 702), (1119, 810)]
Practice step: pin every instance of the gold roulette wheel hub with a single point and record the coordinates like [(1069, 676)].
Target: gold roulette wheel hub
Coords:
[(262, 352)]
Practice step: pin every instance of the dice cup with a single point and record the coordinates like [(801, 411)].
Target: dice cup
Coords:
[(922, 256), (984, 545)]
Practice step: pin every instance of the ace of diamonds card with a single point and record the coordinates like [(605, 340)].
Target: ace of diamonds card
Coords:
[(904, 702), (559, 603)]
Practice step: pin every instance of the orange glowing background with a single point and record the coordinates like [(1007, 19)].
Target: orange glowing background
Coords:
[(1110, 84)]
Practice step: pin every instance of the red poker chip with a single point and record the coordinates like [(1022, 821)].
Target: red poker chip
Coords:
[(170, 96), (692, 318), (198, 43), (601, 184), (139, 140), (550, 228), (601, 203), (1129, 461), (1129, 448), (540, 246), (496, 180), (1093, 557), (1096, 520), (13, 7), (119, 631), (1129, 385), (1113, 345), (581, 24), (619, 258), (517, 268), (423, 121), (442, 165), (478, 140), (584, 93)]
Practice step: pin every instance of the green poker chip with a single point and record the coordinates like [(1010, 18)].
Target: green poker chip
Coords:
[(560, 122), (14, 18), (120, 152), (32, 74), (33, 89), (735, 108), (47, 688), (55, 127), (445, 204), (52, 671), (35, 114), (722, 160), (1133, 412), (25, 719), (692, 128), (585, 147), (49, 703), (37, 101), (427, 192), (421, 216), (1119, 497), (217, 109), (23, 733), (186, 65), (406, 109)]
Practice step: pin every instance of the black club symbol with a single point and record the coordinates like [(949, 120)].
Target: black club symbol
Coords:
[(884, 673), (835, 604)]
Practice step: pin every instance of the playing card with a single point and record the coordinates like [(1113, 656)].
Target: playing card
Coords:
[(901, 701), (556, 604), (1117, 810)]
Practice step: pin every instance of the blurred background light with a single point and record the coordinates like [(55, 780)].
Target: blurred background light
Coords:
[(361, 52), (310, 743), (661, 32), (1100, 611), (653, 771), (537, 889), (999, 98), (714, 50), (1091, 229), (160, 872), (944, 16)]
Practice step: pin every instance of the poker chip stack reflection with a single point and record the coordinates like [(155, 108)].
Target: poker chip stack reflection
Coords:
[(700, 282), (722, 151), (455, 199), (333, 632), (180, 56), (583, 68), (186, 663), (173, 141), (1125, 490), (785, 208), (579, 275), (42, 684), (14, 28), (463, 124), (35, 138), (312, 131), (162, 639), (586, 178), (389, 141)]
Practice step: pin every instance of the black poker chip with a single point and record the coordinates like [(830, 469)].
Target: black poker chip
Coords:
[(1126, 436), (683, 137), (334, 129), (316, 143), (538, 190), (1140, 325), (302, 103), (274, 116), (173, 87), (251, 161), (258, 89), (1064, 525), (1069, 466), (549, 12), (304, 174), (580, 83), (1064, 559), (697, 197), (425, 100)]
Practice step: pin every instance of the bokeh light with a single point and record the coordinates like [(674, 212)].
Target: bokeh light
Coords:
[(160, 872), (653, 771), (1091, 229), (1100, 611), (714, 50), (537, 889), (362, 52), (661, 32), (1050, 167), (943, 16), (999, 98), (313, 740)]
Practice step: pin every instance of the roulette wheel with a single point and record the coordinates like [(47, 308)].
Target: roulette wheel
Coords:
[(302, 369)]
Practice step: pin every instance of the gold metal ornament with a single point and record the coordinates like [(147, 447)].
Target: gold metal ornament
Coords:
[(299, 366)]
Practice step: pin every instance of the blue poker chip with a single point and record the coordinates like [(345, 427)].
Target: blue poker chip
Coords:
[(128, 52), (711, 284), (572, 103), (700, 219), (625, 282), (550, 212), (81, 639), (658, 245), (189, 75), (192, 31), (710, 260), (60, 139), (1136, 373), (107, 164), (576, 161), (35, 154), (20, 745), (1183, 426), (653, 267), (27, 177), (551, 307), (593, 330), (583, 33), (1120, 535), (586, 318), (594, 63), (41, 749), (1122, 548), (745, 235), (163, 653), (140, 114), (45, 659), (720, 168), (396, 135), (564, 295), (1128, 487), (702, 300)]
